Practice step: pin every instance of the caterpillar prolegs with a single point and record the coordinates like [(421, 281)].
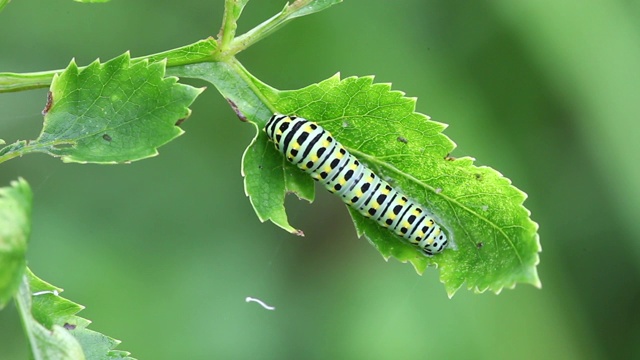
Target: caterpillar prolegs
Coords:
[(313, 149)]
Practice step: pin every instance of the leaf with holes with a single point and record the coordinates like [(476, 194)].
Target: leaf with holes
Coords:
[(115, 112), (495, 243)]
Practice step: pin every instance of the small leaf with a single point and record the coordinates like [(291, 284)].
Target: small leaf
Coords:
[(15, 227), (53, 329), (115, 112), (266, 196), (189, 54), (263, 174), (313, 6)]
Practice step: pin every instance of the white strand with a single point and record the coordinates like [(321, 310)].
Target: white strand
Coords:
[(54, 292), (249, 299)]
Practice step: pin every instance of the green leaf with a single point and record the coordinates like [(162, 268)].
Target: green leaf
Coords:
[(311, 7), (15, 227), (3, 3), (53, 329), (266, 196), (494, 242), (116, 112), (91, 1), (199, 51)]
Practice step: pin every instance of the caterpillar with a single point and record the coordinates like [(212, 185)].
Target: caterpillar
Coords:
[(312, 148)]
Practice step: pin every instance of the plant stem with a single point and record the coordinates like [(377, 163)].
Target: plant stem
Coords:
[(266, 28), (197, 52), (229, 22), (19, 148)]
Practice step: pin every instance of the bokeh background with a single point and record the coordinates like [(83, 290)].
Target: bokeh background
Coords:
[(163, 252)]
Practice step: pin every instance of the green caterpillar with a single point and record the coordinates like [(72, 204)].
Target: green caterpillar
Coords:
[(313, 149)]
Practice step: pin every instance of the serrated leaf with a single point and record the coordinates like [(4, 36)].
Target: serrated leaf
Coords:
[(496, 242), (53, 329), (266, 196), (115, 112), (15, 227)]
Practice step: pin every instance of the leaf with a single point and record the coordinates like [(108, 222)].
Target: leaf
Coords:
[(196, 52), (496, 243), (91, 1), (312, 7), (15, 227), (115, 112), (266, 196), (53, 329), (3, 3)]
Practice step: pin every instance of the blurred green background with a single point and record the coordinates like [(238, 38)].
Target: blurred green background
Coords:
[(163, 252)]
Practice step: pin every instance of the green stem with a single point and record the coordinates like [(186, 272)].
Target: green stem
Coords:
[(200, 51), (10, 82), (266, 28), (23, 303), (23, 147), (207, 50), (232, 10)]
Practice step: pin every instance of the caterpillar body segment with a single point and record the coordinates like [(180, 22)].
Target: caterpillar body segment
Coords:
[(313, 149)]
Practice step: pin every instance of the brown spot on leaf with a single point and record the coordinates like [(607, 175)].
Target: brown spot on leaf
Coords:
[(49, 103)]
